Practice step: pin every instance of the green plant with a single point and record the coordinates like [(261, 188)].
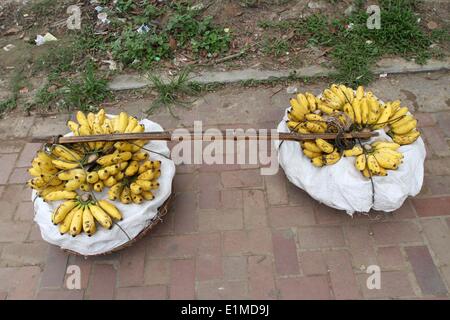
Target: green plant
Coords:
[(17, 82), (170, 92), (277, 47)]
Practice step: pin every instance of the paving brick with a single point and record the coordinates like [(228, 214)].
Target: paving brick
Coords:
[(210, 180), (157, 292), (235, 268), (102, 282), (285, 252), (437, 185), (320, 237), (2, 189), (209, 199), (242, 179), (28, 153), (361, 245), (313, 263), (406, 211), (261, 284), (255, 215), (218, 220), (430, 207), (445, 271), (435, 141), (60, 294), (8, 210), (438, 167), (276, 188), (343, 280), (394, 284), (209, 267), (171, 247), (131, 270), (35, 234), (85, 266), (299, 197), (21, 283), (232, 199), (443, 119), (182, 279), (209, 244), (157, 271), (438, 235), (386, 233), (25, 211), (185, 182), (19, 175), (328, 215), (164, 227), (184, 209), (24, 254), (285, 217), (426, 273), (55, 268), (219, 167), (390, 258), (14, 231), (220, 290), (7, 161), (252, 242), (304, 288), (10, 146), (3, 295)]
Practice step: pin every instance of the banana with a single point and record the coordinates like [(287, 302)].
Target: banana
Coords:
[(312, 103), (311, 146), (406, 119), (147, 165), (366, 172), (66, 153), (122, 122), (360, 92), (137, 198), (62, 210), (101, 216), (384, 117), (364, 111), (355, 151), (395, 105), (140, 156), (332, 157), (338, 92), (107, 160), (133, 167), (103, 174), (393, 153), (310, 154), (148, 195), (115, 191), (125, 196), (300, 107), (92, 177), (110, 181), (357, 110), (65, 225), (100, 117), (149, 174), (81, 118), (74, 127), (76, 224), (348, 109), (314, 117), (314, 127), (398, 114), (112, 169), (135, 188), (386, 161), (408, 138), (72, 185), (374, 110), (372, 164), (317, 161), (110, 209), (296, 114), (119, 176), (123, 156), (91, 119), (324, 108), (291, 117), (88, 222), (60, 195), (86, 187), (147, 185), (360, 162), (324, 145), (139, 128), (123, 146), (132, 123), (385, 145), (98, 186), (405, 128), (65, 165)]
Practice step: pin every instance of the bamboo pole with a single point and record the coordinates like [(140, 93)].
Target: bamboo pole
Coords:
[(169, 136)]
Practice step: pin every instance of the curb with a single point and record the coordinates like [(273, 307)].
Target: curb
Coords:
[(384, 66)]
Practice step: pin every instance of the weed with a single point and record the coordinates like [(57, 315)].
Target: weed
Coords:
[(277, 47), (170, 92)]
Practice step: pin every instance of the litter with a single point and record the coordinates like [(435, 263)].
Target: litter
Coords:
[(383, 75), (291, 90), (9, 47), (103, 17), (143, 29), (48, 37)]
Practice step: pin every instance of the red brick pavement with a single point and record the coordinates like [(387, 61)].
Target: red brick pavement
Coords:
[(233, 233)]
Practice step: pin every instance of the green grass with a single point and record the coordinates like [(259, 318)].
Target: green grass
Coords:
[(355, 50), (17, 82), (277, 47), (172, 92)]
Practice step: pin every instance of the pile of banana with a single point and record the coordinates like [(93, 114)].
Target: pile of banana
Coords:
[(69, 172), (81, 213), (378, 157), (341, 109)]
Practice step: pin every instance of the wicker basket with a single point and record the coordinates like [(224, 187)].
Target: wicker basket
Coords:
[(162, 211)]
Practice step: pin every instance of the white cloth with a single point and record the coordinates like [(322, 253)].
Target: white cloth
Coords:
[(136, 217), (343, 187)]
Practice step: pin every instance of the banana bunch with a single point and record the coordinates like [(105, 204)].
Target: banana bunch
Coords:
[(321, 152), (304, 114), (139, 179), (379, 157), (81, 213)]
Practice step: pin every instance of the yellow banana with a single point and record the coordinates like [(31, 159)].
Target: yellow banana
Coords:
[(110, 209), (88, 222), (77, 223), (360, 162), (62, 210), (408, 138), (384, 117), (312, 146), (148, 195), (360, 92), (324, 145), (101, 216), (405, 128), (357, 110), (372, 164), (65, 225), (355, 151), (317, 161), (60, 195)]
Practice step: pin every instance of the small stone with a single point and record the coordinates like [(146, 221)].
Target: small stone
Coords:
[(291, 90), (432, 25), (316, 5)]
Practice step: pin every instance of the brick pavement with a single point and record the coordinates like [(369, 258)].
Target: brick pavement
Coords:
[(234, 234)]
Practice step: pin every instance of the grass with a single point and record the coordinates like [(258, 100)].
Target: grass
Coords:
[(276, 47), (17, 82), (172, 92), (355, 50)]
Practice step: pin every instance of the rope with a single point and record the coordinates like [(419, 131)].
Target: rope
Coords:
[(370, 173)]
